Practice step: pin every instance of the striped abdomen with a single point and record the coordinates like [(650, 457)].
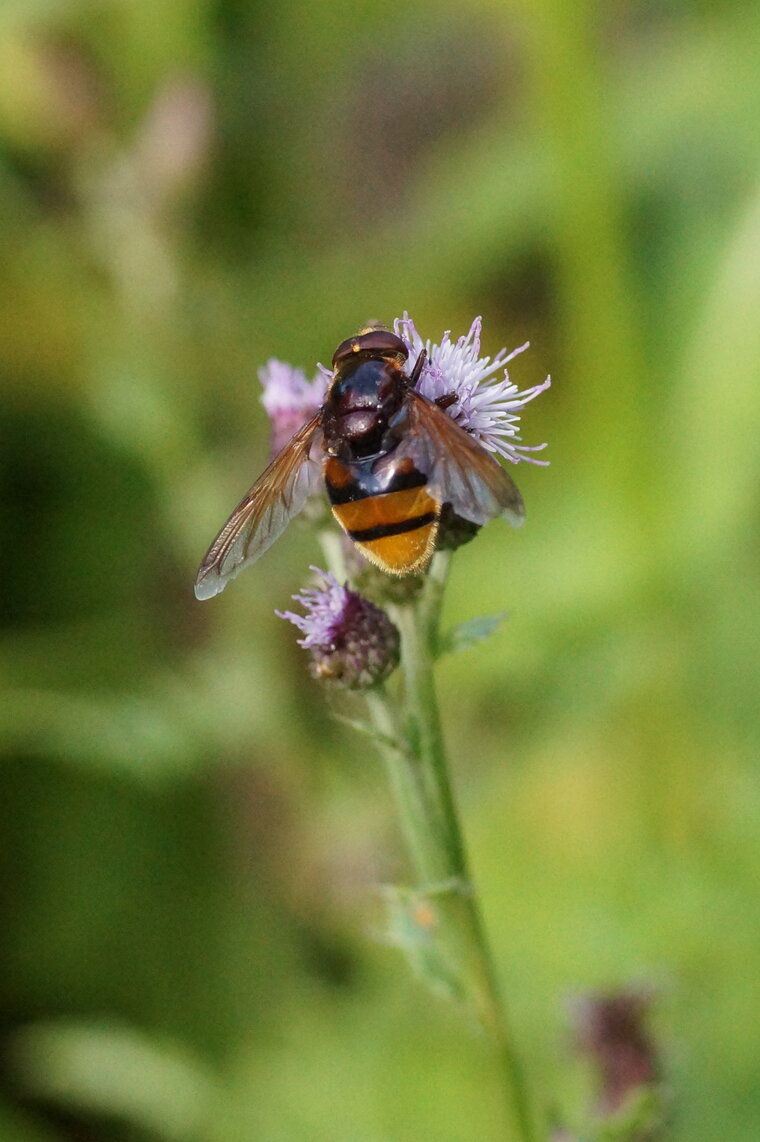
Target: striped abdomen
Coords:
[(386, 509)]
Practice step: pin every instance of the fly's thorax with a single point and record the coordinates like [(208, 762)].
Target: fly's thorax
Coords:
[(365, 393)]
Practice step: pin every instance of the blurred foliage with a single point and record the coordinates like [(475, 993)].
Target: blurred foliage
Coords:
[(190, 844)]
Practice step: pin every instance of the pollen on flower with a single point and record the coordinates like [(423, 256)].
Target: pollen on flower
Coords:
[(486, 405), (351, 641), (289, 399)]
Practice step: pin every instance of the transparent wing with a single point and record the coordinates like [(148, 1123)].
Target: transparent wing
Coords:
[(460, 471), (263, 513)]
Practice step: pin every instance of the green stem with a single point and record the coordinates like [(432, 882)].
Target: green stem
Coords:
[(411, 797), (331, 542), (419, 779), (445, 850), (418, 624)]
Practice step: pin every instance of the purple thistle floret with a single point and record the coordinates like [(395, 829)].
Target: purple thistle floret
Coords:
[(289, 399), (488, 408), (351, 641)]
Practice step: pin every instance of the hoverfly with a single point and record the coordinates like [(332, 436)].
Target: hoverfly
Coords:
[(390, 459)]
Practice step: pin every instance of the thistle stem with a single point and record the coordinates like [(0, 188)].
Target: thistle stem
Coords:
[(446, 856), (405, 777), (418, 624), (331, 542), (419, 780)]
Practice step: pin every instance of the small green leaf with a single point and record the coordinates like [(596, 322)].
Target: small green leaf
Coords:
[(417, 923), (434, 928), (369, 731), (467, 634)]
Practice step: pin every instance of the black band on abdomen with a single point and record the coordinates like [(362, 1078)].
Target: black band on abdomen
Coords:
[(383, 530), (368, 485)]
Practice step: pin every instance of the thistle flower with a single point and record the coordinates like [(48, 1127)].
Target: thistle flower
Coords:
[(611, 1030), (352, 642), (289, 399), (486, 407)]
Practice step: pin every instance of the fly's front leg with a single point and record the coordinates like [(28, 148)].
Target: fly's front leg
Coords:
[(443, 402), (419, 365)]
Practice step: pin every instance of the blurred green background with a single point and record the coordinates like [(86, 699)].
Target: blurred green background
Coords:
[(190, 843)]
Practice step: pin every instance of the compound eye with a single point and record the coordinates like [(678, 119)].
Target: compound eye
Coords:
[(378, 342)]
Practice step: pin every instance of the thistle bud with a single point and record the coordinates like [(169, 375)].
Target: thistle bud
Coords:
[(351, 641)]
